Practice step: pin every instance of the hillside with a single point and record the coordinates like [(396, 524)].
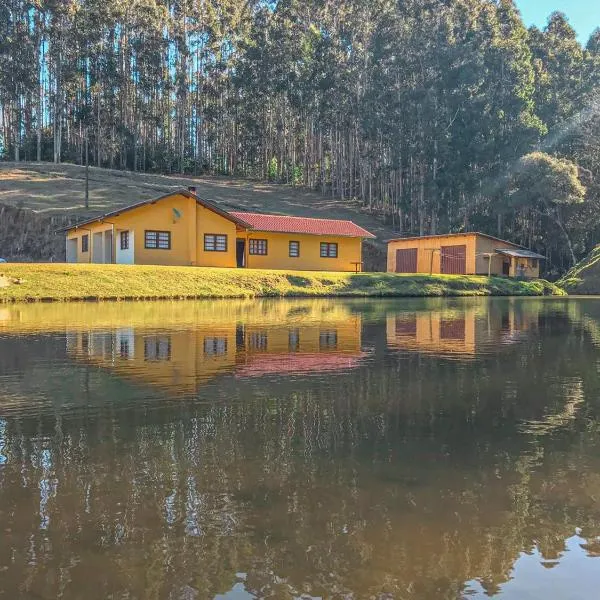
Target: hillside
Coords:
[(57, 192), (584, 278)]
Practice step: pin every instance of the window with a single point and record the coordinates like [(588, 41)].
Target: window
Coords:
[(258, 341), (124, 238), (85, 243), (328, 339), (258, 247), (124, 347), (215, 243), (240, 337), (214, 346), (294, 249), (157, 348), (157, 240), (85, 343), (329, 250), (294, 340)]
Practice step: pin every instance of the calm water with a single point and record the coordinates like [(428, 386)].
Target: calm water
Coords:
[(404, 449)]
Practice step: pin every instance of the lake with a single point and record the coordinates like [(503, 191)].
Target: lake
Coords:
[(233, 450)]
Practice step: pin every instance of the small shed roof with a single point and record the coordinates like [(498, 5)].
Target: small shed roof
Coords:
[(307, 225), (447, 235), (520, 253)]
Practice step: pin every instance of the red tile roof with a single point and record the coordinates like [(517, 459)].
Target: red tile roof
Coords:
[(298, 363), (284, 224)]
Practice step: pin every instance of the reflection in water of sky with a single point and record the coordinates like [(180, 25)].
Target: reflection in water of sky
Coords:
[(535, 577), (426, 449)]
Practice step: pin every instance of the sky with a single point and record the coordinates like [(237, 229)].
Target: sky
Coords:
[(584, 15)]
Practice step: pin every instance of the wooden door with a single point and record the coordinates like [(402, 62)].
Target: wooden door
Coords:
[(406, 260), (240, 253), (454, 260)]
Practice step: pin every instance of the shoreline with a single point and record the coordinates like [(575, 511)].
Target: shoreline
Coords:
[(65, 282)]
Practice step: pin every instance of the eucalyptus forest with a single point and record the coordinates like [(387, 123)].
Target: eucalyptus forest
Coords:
[(436, 115)]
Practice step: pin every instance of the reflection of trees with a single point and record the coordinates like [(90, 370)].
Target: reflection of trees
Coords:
[(278, 488), (406, 476)]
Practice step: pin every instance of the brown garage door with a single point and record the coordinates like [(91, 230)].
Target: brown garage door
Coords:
[(406, 260), (454, 260)]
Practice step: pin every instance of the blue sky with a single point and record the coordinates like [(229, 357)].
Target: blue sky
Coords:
[(584, 15)]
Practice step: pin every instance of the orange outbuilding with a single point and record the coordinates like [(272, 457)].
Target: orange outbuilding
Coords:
[(462, 254)]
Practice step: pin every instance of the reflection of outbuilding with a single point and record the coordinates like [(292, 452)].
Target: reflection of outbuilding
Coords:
[(439, 332), (460, 331), (462, 254)]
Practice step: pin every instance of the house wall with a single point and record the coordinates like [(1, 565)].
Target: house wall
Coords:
[(187, 234), (489, 246), (349, 251), (426, 247), (161, 217), (208, 221)]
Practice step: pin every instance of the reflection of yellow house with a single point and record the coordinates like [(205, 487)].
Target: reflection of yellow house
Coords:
[(180, 228), (176, 360), (203, 340), (462, 254), (460, 331)]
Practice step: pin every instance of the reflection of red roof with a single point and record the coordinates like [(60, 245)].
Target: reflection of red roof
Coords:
[(264, 364), (284, 224)]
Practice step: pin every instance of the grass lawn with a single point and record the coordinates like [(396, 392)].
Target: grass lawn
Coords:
[(59, 282)]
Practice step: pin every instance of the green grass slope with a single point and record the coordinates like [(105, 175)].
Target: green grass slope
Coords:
[(584, 278), (60, 282)]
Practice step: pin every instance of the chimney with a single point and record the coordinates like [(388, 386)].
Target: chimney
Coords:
[(192, 188)]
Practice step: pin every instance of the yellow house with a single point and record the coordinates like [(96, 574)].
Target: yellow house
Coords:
[(180, 228), (462, 254)]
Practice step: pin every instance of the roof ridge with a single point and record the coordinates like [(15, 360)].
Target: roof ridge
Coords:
[(241, 212)]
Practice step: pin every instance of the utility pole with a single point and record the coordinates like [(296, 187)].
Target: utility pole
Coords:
[(87, 171)]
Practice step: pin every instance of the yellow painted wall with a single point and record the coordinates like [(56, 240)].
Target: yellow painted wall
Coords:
[(426, 247), (349, 251), (187, 234), (208, 221), (89, 230), (486, 245)]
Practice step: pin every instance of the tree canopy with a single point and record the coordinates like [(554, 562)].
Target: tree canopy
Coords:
[(420, 110)]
